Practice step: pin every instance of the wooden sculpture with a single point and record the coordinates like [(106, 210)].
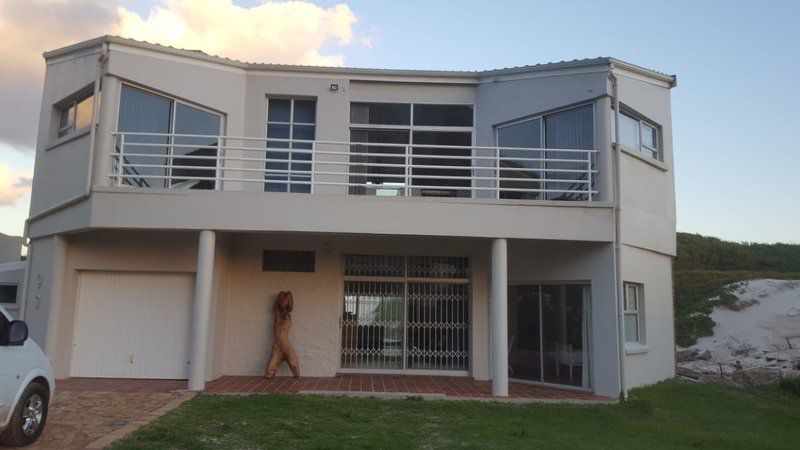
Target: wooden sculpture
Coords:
[(282, 349)]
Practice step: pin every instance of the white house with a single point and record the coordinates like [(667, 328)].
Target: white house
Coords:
[(476, 224)]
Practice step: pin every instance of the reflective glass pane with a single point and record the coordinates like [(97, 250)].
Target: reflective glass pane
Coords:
[(438, 326), (381, 173), (372, 325), (83, 114), (279, 110), (631, 301), (524, 343), (631, 328), (141, 111), (380, 113), (200, 151), (570, 129), (305, 111), (443, 115), (429, 147), (629, 131), (564, 334), (526, 135)]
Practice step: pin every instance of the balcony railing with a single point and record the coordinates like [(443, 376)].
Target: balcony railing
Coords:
[(156, 160)]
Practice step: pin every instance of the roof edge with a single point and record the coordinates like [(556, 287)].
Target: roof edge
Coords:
[(473, 75)]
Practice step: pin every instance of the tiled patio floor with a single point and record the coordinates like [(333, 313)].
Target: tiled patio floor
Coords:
[(451, 387), (446, 387)]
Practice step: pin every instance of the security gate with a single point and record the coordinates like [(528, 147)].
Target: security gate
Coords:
[(405, 313)]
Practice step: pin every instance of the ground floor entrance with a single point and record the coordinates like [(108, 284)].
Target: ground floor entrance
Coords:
[(406, 313), (549, 327)]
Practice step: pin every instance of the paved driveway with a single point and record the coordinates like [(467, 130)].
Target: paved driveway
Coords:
[(84, 417)]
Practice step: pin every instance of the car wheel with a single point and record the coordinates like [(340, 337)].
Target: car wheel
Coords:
[(28, 418)]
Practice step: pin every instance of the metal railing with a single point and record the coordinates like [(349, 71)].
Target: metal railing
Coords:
[(355, 168)]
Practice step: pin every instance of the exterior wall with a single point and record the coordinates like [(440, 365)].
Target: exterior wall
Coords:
[(656, 361), (14, 273), (68, 156), (648, 187), (10, 248)]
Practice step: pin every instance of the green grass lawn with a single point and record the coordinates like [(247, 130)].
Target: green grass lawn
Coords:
[(669, 415)]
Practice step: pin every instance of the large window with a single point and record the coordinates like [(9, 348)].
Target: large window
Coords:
[(75, 115), (154, 159), (431, 130), (637, 135), (564, 130), (290, 119), (548, 333), (405, 313), (633, 306)]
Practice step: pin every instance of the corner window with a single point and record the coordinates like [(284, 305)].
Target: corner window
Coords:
[(8, 294), (152, 155), (633, 310), (637, 135), (75, 115)]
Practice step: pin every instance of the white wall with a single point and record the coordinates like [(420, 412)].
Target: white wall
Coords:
[(654, 272)]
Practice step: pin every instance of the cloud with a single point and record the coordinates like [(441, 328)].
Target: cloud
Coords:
[(14, 186), (295, 32)]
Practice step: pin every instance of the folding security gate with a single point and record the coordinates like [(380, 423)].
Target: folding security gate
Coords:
[(405, 313)]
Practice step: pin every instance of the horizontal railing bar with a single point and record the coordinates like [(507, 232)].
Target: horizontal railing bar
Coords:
[(365, 144), (376, 186)]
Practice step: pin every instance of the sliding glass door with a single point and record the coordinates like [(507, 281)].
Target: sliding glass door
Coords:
[(549, 329)]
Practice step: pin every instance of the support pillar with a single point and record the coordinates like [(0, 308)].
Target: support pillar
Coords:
[(500, 318), (201, 311)]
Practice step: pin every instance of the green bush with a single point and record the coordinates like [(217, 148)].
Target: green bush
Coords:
[(790, 386)]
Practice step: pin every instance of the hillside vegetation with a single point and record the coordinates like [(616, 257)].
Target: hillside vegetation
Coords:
[(705, 267)]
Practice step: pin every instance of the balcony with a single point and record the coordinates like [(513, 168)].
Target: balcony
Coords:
[(230, 163)]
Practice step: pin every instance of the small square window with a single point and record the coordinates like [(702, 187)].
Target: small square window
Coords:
[(8, 294), (75, 115)]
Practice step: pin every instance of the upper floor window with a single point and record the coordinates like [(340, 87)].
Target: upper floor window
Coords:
[(435, 135), (167, 143), (637, 135), (532, 176), (291, 126), (75, 115)]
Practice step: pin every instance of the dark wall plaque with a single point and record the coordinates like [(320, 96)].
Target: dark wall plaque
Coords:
[(288, 261)]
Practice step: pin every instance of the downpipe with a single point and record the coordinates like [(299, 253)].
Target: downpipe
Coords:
[(618, 287)]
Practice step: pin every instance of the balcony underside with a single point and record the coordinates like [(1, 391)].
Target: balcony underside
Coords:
[(173, 209)]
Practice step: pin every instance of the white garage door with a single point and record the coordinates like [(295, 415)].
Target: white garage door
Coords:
[(132, 325)]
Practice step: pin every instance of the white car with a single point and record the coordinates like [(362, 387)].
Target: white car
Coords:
[(26, 384)]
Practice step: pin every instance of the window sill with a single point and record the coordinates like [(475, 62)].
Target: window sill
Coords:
[(657, 164), (69, 138), (635, 349)]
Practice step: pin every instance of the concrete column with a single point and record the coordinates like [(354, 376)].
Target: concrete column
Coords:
[(201, 311), (500, 318)]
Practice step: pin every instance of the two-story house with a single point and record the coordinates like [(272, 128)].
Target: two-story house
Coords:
[(507, 224)]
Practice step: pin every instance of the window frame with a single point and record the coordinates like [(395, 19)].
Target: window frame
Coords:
[(223, 123), (71, 105), (291, 124), (657, 153), (638, 311), (12, 306), (411, 127)]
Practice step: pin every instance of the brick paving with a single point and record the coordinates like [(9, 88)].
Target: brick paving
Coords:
[(77, 418), (447, 387)]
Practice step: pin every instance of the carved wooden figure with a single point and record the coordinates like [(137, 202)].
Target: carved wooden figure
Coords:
[(282, 349)]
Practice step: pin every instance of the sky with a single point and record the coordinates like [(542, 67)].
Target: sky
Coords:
[(736, 108)]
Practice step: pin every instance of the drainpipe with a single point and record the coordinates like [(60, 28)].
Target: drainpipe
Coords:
[(618, 287), (101, 62)]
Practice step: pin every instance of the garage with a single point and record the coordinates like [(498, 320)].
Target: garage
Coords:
[(132, 325)]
